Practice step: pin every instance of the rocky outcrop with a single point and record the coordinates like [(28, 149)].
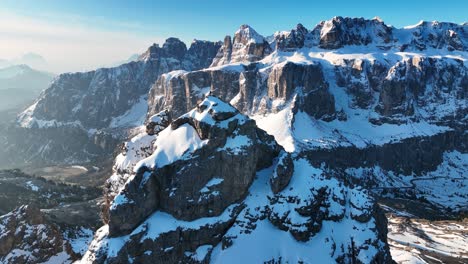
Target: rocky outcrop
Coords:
[(247, 88), (139, 147), (425, 83), (246, 46), (361, 79), (180, 91), (200, 55), (27, 237), (414, 155), (308, 82), (283, 173), (91, 99), (291, 40), (213, 187), (201, 186), (339, 32), (344, 31), (436, 35)]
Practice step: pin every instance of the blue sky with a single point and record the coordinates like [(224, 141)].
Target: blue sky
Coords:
[(126, 27)]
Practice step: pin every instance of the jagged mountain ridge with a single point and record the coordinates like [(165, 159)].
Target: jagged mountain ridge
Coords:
[(99, 107), (114, 105), (348, 99)]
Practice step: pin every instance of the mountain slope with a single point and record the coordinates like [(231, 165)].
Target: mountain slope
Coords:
[(99, 107), (292, 139), (231, 208)]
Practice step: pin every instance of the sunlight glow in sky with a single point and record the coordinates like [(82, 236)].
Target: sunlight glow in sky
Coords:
[(86, 34)]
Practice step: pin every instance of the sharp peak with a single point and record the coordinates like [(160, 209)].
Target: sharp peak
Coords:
[(245, 26)]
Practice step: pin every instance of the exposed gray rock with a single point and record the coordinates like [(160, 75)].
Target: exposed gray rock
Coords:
[(283, 173), (90, 104), (425, 83), (291, 40), (308, 82), (339, 32), (201, 186), (246, 89), (247, 46), (26, 230)]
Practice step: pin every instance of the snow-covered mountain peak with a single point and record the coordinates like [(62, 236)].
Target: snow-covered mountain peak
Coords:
[(343, 31), (246, 34), (247, 45)]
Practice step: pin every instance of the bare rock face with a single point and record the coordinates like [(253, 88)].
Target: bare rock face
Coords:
[(136, 149), (181, 91), (291, 40), (361, 79), (224, 53), (247, 88), (339, 31), (200, 54), (26, 230), (424, 83), (283, 173), (308, 82), (247, 46), (202, 186)]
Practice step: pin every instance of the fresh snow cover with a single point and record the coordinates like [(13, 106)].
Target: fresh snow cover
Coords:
[(279, 126), (445, 187), (135, 151), (234, 144), (31, 186), (26, 119), (249, 33), (307, 132), (213, 104), (80, 243), (213, 182), (172, 145), (155, 225), (173, 74), (135, 116), (407, 237), (257, 246), (201, 252), (267, 242), (61, 257)]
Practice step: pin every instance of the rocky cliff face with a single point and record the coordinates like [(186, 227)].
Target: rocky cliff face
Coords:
[(292, 140), (99, 105), (213, 186), (247, 45), (26, 237)]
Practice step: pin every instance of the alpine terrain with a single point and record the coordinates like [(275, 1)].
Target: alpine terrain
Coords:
[(345, 142)]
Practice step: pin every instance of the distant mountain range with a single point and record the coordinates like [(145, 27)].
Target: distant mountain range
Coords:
[(20, 85), (31, 59)]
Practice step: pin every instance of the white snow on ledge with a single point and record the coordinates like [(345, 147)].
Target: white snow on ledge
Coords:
[(134, 117), (171, 145)]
